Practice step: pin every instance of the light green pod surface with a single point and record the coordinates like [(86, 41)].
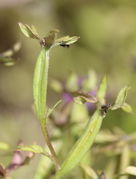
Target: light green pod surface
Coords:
[(40, 84), (82, 145)]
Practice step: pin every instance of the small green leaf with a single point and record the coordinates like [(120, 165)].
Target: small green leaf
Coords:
[(31, 148), (131, 170), (28, 31), (40, 84), (66, 40), (127, 108), (102, 91), (121, 98), (82, 145), (4, 146), (34, 31)]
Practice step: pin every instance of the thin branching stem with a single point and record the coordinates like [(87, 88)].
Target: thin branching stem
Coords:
[(50, 146)]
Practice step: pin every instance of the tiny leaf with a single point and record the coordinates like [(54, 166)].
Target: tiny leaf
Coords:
[(28, 31), (66, 40), (121, 98), (127, 108), (31, 148), (102, 91)]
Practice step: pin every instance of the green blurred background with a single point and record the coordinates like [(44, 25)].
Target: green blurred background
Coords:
[(107, 30)]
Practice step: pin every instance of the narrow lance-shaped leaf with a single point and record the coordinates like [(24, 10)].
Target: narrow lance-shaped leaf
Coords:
[(40, 84), (121, 98), (28, 31), (66, 40), (102, 91), (31, 148), (82, 145)]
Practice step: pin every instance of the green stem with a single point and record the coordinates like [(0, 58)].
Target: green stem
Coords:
[(50, 146)]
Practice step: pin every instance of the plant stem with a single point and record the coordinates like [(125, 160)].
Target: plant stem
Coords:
[(50, 146)]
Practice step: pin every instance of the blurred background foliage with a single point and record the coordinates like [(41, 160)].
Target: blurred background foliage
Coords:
[(107, 44)]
